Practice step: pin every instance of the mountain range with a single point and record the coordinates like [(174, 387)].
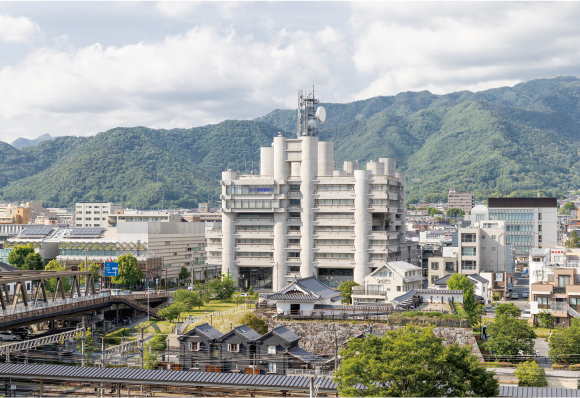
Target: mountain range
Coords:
[(509, 140), (20, 143)]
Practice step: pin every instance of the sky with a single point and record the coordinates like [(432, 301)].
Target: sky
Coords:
[(80, 68)]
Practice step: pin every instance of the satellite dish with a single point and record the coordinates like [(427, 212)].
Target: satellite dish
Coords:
[(321, 114)]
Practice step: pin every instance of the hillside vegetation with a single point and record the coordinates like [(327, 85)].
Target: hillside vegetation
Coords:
[(498, 141)]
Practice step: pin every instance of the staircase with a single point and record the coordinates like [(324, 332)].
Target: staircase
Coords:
[(572, 312), (139, 307)]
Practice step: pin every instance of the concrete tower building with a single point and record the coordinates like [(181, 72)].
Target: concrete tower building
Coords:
[(301, 217)]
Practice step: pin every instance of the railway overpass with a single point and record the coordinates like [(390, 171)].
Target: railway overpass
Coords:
[(26, 308)]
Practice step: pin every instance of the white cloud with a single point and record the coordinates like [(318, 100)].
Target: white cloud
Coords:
[(177, 9), (203, 76), (18, 29), (444, 47)]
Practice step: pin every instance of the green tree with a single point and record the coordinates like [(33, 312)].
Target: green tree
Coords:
[(530, 374), (573, 242), (184, 274), (25, 258), (568, 207), (251, 291), (222, 289), (94, 267), (545, 319), (189, 300), (53, 265), (509, 309), (565, 344), (129, 271), (258, 324), (151, 356), (411, 362), (346, 291), (89, 343), (172, 312), (433, 211), (462, 282), (455, 212), (509, 336)]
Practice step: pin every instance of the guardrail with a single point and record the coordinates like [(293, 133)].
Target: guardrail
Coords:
[(309, 372)]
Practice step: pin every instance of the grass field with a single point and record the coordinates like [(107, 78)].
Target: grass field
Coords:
[(223, 323), (212, 306), (155, 326)]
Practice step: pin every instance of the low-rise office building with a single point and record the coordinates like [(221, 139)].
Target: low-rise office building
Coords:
[(460, 200), (94, 214)]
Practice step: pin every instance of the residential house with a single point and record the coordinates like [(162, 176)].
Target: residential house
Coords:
[(301, 296), (387, 282), (480, 285)]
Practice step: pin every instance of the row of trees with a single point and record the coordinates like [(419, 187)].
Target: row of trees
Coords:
[(202, 294)]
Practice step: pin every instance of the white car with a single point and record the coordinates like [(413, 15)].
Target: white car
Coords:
[(243, 294), (7, 336), (526, 314), (150, 291)]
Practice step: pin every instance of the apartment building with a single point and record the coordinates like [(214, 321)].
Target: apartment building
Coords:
[(301, 217), (556, 290), (530, 222), (483, 246), (460, 200), (94, 214)]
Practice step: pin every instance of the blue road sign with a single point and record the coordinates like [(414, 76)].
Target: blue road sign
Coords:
[(111, 269)]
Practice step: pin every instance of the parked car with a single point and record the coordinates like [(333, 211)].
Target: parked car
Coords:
[(526, 294), (8, 336), (510, 286), (526, 314), (125, 292), (490, 310), (23, 331), (116, 292), (514, 295), (243, 294)]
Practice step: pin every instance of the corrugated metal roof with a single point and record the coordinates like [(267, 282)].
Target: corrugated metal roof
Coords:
[(163, 376), (510, 391)]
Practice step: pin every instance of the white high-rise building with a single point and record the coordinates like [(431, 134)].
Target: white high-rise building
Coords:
[(302, 217)]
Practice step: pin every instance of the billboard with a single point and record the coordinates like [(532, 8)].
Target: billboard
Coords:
[(111, 269)]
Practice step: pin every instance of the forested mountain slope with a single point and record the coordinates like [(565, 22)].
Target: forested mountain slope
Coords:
[(520, 138)]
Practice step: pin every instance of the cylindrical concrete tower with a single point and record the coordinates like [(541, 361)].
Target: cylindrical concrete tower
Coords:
[(362, 223), (325, 158), (281, 168), (267, 161), (403, 179), (376, 168), (308, 171), (390, 166), (280, 243), (348, 167), (228, 243)]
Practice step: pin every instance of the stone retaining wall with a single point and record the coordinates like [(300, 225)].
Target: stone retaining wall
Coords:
[(319, 337)]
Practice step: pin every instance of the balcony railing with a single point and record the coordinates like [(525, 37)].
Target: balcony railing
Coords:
[(361, 290), (559, 290), (558, 306)]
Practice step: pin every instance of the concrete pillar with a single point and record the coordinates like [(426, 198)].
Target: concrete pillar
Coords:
[(403, 198), (362, 224), (280, 243), (376, 168), (281, 167), (228, 243), (267, 161), (390, 166), (308, 172), (295, 169), (325, 158), (348, 167)]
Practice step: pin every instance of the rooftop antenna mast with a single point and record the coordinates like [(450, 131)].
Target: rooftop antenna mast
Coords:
[(308, 115)]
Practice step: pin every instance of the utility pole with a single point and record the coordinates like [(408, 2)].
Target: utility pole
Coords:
[(335, 349), (83, 337), (104, 359)]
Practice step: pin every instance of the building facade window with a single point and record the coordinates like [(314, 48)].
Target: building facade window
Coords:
[(272, 367), (468, 265), (467, 238), (271, 349), (435, 265), (468, 251)]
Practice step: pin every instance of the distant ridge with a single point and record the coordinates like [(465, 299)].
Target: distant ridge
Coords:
[(25, 142), (509, 140)]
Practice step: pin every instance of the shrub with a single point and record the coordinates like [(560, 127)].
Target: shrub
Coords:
[(499, 365), (258, 324), (530, 374), (575, 367), (556, 366)]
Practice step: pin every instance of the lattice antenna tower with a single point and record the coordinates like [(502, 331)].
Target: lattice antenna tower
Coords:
[(308, 114)]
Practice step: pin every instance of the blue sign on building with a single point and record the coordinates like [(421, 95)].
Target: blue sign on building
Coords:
[(111, 269)]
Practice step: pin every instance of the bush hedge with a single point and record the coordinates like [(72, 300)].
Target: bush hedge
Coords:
[(499, 365)]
